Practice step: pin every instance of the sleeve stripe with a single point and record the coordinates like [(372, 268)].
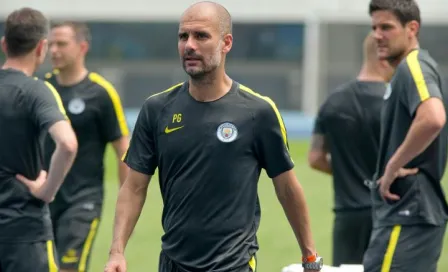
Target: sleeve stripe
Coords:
[(58, 98), (417, 75), (274, 107), (167, 90), (115, 101)]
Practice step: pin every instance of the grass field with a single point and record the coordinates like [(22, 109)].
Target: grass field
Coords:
[(278, 246)]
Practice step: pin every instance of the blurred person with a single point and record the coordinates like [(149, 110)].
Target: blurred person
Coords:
[(96, 114), (210, 137), (345, 144), (410, 212), (28, 108)]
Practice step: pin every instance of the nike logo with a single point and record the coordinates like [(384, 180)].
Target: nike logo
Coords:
[(169, 130)]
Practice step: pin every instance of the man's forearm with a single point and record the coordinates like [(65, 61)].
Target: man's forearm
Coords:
[(129, 206), (420, 135), (61, 162), (293, 201), (122, 172), (323, 165)]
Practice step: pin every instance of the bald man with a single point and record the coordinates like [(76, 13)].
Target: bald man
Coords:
[(345, 144), (209, 137)]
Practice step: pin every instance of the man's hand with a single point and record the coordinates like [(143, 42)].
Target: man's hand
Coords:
[(116, 263), (35, 185), (389, 177)]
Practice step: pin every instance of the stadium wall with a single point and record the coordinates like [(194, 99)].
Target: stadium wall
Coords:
[(248, 10)]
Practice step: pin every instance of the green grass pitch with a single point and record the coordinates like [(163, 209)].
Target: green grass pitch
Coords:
[(278, 246)]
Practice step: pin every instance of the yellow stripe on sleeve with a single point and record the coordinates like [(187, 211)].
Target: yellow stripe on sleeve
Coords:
[(417, 75), (167, 90), (57, 97), (115, 98), (274, 107)]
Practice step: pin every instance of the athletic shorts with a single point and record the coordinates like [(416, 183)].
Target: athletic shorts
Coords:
[(404, 248), (35, 257), (167, 265), (75, 230), (351, 236)]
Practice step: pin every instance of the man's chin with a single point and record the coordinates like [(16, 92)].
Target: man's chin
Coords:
[(195, 73)]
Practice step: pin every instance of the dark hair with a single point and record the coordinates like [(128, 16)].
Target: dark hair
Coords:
[(24, 29), (82, 31), (405, 10)]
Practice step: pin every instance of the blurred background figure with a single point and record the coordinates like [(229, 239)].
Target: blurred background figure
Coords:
[(297, 53), (345, 144)]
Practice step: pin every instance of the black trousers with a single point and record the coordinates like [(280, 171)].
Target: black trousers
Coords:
[(351, 236)]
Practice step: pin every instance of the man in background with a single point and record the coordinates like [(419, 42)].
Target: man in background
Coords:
[(345, 144), (28, 108), (410, 213), (96, 114)]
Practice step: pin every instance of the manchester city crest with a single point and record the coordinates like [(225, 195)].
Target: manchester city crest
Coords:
[(227, 132), (76, 106)]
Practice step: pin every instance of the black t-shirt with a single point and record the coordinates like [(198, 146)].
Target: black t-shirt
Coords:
[(28, 108), (422, 198), (349, 120), (96, 115), (209, 157)]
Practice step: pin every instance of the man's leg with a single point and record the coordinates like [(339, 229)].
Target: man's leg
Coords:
[(404, 248), (351, 234), (76, 231), (36, 257)]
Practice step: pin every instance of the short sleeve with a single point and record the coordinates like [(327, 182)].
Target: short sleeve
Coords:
[(113, 119), (272, 141), (419, 81), (142, 154), (45, 105), (319, 125)]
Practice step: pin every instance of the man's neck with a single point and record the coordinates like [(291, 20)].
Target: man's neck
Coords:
[(71, 76), (396, 62), (210, 89), (369, 73), (24, 65)]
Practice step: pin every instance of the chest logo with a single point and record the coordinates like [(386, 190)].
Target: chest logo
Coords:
[(227, 132), (388, 92), (76, 106)]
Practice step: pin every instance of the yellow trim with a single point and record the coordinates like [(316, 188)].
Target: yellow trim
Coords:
[(124, 155), (417, 75), (88, 245), (96, 78), (52, 266), (253, 264), (393, 241), (57, 97), (167, 90), (274, 107), (67, 259)]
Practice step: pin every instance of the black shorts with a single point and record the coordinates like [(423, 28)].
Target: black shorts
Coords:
[(75, 229), (167, 265), (36, 257), (404, 248), (351, 236)]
